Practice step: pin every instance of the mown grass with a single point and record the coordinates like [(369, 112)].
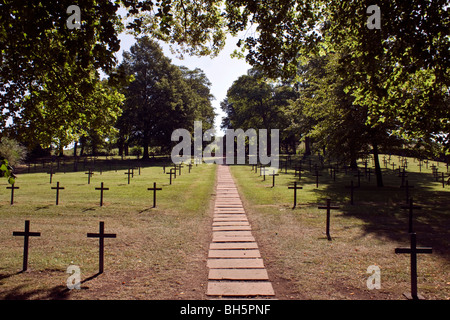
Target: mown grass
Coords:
[(303, 264), (159, 253)]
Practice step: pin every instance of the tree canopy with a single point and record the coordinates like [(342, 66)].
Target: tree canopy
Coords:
[(162, 97), (51, 91)]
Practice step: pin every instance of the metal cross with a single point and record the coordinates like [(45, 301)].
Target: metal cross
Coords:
[(12, 192), (295, 193), (328, 207), (26, 234), (154, 193), (101, 193), (101, 235), (410, 207), (413, 250), (89, 173), (57, 191)]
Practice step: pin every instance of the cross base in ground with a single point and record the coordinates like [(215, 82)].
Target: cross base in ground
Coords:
[(409, 296)]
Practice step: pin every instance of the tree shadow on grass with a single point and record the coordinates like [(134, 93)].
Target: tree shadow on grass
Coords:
[(59, 292), (55, 293), (381, 208)]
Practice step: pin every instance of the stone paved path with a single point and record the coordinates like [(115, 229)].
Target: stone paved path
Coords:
[(236, 268)]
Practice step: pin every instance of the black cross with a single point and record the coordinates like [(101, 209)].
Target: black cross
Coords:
[(101, 235), (299, 170), (410, 207), (403, 175), (172, 172), (57, 191), (154, 193), (12, 192), (433, 170), (328, 207), (365, 166), (407, 187), (51, 174), (101, 193), (420, 165), (284, 163), (413, 250), (359, 175), (26, 234), (273, 177), (333, 173), (190, 167), (263, 173), (405, 163), (352, 188), (89, 173), (317, 175), (129, 173), (295, 193), (260, 168), (179, 166)]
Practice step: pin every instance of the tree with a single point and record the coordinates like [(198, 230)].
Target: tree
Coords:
[(401, 71), (42, 59), (162, 97), (11, 154), (335, 122), (254, 103)]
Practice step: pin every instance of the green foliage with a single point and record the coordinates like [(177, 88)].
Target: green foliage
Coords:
[(48, 73), (398, 72), (161, 98), (7, 171), (253, 103), (51, 90), (192, 27), (12, 151)]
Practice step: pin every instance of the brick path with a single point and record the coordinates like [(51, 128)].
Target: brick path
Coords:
[(236, 268)]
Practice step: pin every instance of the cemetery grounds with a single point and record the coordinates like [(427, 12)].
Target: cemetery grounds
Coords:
[(161, 253)]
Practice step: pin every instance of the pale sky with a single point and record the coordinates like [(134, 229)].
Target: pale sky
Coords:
[(221, 71)]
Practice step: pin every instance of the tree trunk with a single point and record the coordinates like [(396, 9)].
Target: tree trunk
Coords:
[(307, 146), (82, 150), (61, 150), (378, 173), (75, 147), (145, 155), (353, 160)]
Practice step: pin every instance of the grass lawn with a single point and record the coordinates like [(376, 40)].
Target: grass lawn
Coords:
[(159, 253), (303, 264)]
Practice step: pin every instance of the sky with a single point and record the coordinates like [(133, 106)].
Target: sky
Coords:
[(221, 71)]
